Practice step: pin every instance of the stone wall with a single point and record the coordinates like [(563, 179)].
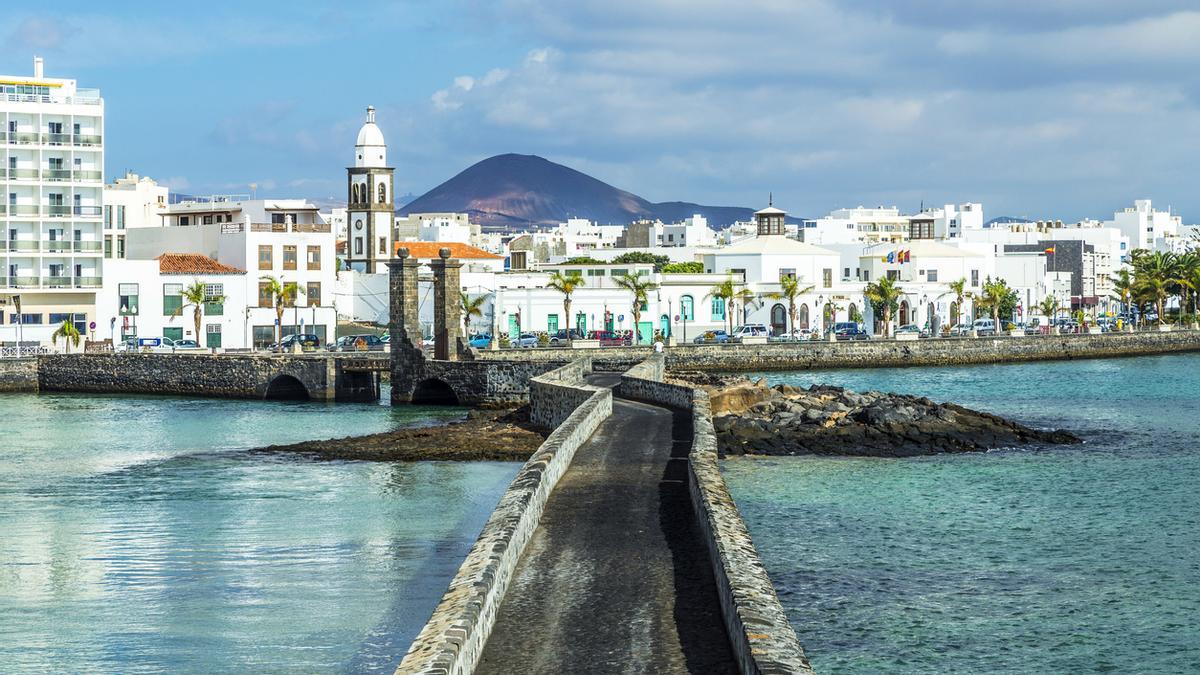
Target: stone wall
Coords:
[(759, 632), (554, 395), (453, 639), (19, 374)]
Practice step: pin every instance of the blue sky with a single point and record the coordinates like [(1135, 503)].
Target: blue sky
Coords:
[(1060, 108)]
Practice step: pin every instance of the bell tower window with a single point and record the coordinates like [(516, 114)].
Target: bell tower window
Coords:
[(382, 193)]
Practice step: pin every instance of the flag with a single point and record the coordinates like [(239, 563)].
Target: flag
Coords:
[(1050, 251), (908, 256), (891, 257)]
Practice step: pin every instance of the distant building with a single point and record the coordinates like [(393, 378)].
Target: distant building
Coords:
[(1149, 229), (370, 211), (131, 202)]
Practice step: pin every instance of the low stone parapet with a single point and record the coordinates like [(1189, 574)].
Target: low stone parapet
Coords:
[(454, 637), (554, 395)]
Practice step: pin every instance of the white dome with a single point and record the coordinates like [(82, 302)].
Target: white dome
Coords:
[(370, 150)]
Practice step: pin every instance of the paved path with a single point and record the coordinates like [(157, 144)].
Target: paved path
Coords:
[(616, 577)]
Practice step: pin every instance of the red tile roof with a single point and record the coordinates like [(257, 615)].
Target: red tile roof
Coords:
[(192, 263), (428, 250)]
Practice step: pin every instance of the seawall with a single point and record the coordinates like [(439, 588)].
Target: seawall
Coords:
[(19, 374), (453, 638), (817, 355), (758, 629)]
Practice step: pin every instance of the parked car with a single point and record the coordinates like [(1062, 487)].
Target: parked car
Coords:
[(711, 337), (610, 338), (750, 330), (804, 334), (350, 343), (526, 340), (961, 329), (185, 344), (850, 331), (909, 328), (560, 336), (307, 342), (481, 341), (984, 327)]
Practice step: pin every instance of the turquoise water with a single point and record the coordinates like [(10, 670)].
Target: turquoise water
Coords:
[(1069, 559), (137, 535)]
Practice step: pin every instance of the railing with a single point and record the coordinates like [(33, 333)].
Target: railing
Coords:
[(268, 227), (52, 282), (18, 245), (84, 139), (22, 137), (232, 228), (295, 227), (87, 210), (57, 282), (81, 97), (88, 282), (22, 210), (310, 227), (18, 351), (23, 282), (87, 246), (56, 139), (56, 174), (88, 176), (3, 209), (56, 246), (23, 174), (58, 210)]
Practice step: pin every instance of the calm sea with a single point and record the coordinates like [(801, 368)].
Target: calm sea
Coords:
[(1050, 560), (137, 535)]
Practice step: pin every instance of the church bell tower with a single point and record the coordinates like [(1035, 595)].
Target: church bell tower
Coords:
[(370, 205)]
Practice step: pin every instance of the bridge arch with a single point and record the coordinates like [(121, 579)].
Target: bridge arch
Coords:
[(434, 391), (286, 388)]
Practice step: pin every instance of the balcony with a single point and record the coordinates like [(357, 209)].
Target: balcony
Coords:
[(23, 174), (87, 246), (56, 282), (295, 227), (56, 246), (22, 210), (82, 139), (58, 210), (23, 282), (56, 174), (88, 176), (56, 139), (88, 282), (87, 210), (22, 245), (22, 137)]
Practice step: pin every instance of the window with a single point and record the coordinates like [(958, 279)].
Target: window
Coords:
[(184, 220), (81, 322), (289, 257), (264, 294), (214, 299), (56, 319), (787, 273), (108, 246), (173, 332), (574, 273), (931, 275), (206, 220), (382, 245), (358, 245), (314, 294), (172, 299), (595, 273), (974, 277), (517, 260), (845, 272), (107, 217), (264, 336), (264, 258), (552, 323), (120, 217), (620, 272), (30, 319), (314, 257), (382, 193), (128, 300), (894, 275), (827, 277), (212, 335), (718, 309), (121, 247), (686, 309)]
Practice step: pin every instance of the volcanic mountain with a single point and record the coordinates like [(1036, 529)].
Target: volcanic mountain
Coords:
[(522, 191)]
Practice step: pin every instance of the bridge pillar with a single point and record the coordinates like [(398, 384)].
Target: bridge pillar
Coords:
[(404, 325), (447, 308)]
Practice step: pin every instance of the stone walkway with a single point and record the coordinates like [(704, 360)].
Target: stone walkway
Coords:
[(616, 578)]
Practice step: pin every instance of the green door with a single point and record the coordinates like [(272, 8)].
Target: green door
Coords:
[(552, 324), (645, 332), (213, 335), (514, 331), (581, 323)]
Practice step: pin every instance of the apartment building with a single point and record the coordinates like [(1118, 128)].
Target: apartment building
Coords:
[(130, 202), (53, 178)]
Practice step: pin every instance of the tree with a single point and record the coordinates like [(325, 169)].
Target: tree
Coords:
[(1123, 288), (958, 290), (1154, 274), (642, 257), (639, 286), (683, 268), (790, 288), (566, 284), (283, 294), (729, 291), (884, 296), (583, 260), (68, 332), (1187, 272), (470, 307), (996, 294), (194, 297), (1048, 307)]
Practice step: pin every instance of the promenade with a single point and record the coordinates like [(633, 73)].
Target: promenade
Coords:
[(616, 577)]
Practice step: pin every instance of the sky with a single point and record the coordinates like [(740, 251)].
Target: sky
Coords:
[(1051, 109)]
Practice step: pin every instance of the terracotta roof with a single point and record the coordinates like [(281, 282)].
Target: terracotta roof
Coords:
[(428, 250), (192, 263)]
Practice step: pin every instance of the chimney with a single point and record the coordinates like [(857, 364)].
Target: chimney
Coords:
[(38, 67)]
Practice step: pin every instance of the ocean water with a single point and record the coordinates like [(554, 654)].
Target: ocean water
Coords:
[(1049, 560), (138, 535)]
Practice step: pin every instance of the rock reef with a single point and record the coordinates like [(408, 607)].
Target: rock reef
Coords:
[(752, 418)]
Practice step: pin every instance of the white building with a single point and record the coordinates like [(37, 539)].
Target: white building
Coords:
[(1149, 229), (437, 227), (693, 231), (923, 269), (130, 202), (53, 173)]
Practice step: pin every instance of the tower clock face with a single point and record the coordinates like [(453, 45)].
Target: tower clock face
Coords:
[(358, 224)]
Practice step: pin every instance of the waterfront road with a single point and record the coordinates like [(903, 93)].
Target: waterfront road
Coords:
[(616, 578)]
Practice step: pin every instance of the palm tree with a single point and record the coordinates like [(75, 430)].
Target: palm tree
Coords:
[(1154, 274), (958, 289), (194, 296), (1186, 267), (566, 284), (283, 294), (68, 332), (883, 295), (725, 291), (790, 289), (995, 292), (1048, 307), (639, 286), (1123, 288), (470, 307)]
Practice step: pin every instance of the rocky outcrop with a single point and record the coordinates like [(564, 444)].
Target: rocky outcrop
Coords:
[(824, 420)]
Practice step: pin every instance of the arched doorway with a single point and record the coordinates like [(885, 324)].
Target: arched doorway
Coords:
[(852, 314), (286, 388), (434, 391), (934, 323), (664, 325), (802, 316), (778, 319), (904, 314)]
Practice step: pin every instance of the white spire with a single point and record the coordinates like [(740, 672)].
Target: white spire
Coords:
[(370, 150)]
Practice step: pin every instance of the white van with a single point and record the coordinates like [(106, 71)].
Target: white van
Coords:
[(751, 330), (984, 326)]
